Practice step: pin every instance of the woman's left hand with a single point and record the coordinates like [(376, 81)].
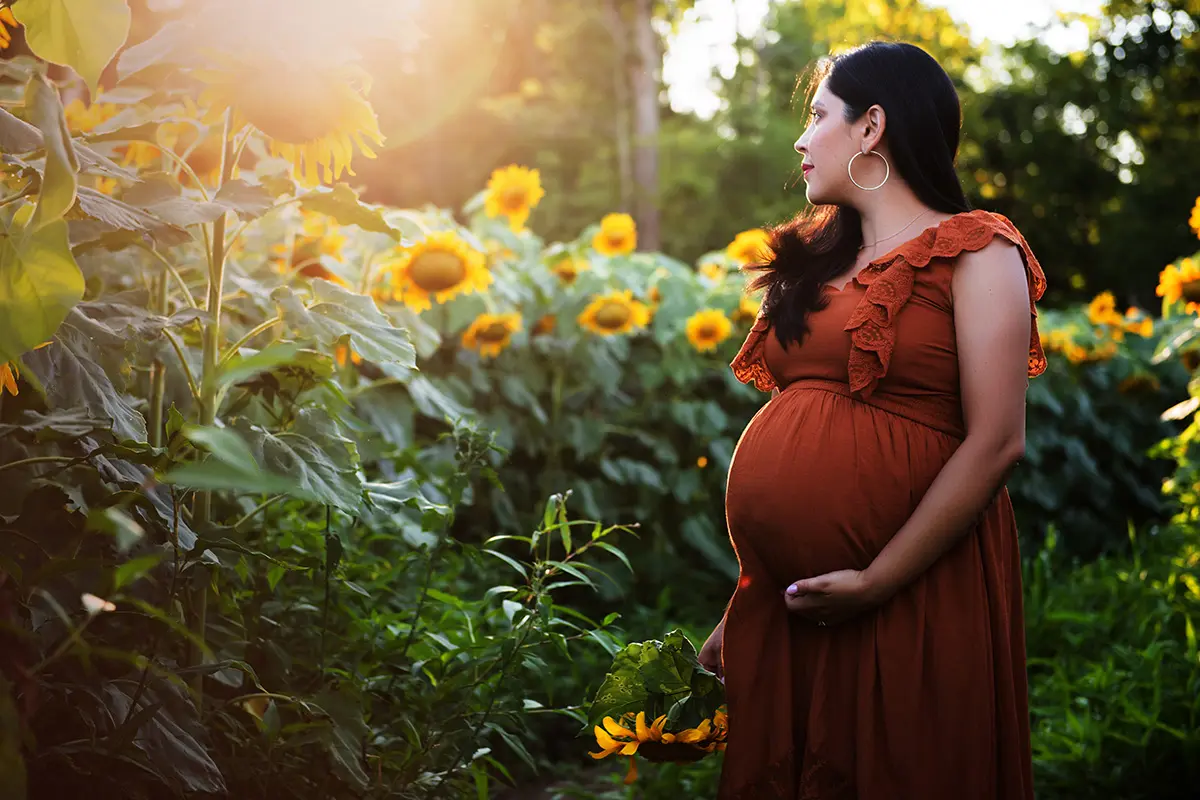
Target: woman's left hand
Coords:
[(831, 598)]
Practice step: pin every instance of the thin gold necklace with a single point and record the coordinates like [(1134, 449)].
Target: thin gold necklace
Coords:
[(897, 233)]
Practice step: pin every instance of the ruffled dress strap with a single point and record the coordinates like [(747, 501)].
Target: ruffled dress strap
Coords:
[(889, 283), (750, 364)]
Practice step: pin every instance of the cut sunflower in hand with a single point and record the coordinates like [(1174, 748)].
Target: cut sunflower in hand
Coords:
[(491, 333), (658, 702), (315, 114), (441, 266), (614, 313)]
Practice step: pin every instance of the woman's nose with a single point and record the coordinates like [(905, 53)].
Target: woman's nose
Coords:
[(799, 146)]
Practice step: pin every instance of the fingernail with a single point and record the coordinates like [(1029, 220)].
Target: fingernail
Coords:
[(792, 589)]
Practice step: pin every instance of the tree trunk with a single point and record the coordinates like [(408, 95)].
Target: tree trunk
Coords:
[(645, 78), (621, 139)]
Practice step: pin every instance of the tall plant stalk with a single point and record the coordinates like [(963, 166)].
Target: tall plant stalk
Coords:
[(158, 371), (202, 512)]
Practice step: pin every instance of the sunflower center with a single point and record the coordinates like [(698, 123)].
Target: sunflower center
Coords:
[(437, 271), (496, 332), (1191, 291), (613, 315), (567, 273), (291, 108), (707, 331), (514, 198)]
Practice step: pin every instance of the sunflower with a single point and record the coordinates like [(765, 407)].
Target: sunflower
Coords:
[(629, 735), (544, 326), (1181, 282), (83, 118), (513, 192), (8, 371), (343, 353), (747, 309), (568, 269), (1139, 382), (613, 313), (713, 271), (7, 20), (1194, 220), (617, 235), (314, 114), (1138, 322), (491, 333), (750, 247), (441, 265), (708, 328), (318, 236)]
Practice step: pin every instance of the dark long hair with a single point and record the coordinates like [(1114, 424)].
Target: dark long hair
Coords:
[(923, 121)]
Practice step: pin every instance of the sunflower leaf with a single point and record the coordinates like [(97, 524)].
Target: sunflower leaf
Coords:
[(18, 136), (81, 34), (60, 178), (39, 284), (343, 205), (244, 199), (339, 312), (111, 215)]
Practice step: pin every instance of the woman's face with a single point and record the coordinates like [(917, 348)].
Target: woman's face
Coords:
[(828, 144)]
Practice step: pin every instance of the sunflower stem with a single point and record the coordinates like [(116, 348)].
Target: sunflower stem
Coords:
[(208, 397), (158, 373), (173, 272), (233, 350)]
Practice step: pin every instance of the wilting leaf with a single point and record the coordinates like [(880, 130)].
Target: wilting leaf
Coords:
[(60, 178), (18, 136), (81, 34), (343, 205), (70, 371), (62, 425), (339, 312), (113, 215)]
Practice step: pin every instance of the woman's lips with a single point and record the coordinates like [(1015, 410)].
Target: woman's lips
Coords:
[(807, 169)]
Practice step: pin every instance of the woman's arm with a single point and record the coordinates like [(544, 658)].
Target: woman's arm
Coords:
[(992, 324)]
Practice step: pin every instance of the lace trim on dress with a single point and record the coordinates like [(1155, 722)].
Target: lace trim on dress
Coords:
[(890, 282), (750, 364), (889, 285)]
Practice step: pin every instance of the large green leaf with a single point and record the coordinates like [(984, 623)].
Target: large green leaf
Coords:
[(71, 372), (231, 466), (39, 284), (81, 34), (170, 743), (347, 735), (60, 179), (109, 214), (316, 455), (342, 204), (339, 312)]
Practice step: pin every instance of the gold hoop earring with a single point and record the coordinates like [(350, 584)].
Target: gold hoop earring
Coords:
[(887, 171)]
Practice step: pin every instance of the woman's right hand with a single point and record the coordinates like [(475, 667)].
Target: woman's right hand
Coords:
[(710, 653)]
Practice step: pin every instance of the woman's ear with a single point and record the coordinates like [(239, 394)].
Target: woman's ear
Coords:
[(875, 123)]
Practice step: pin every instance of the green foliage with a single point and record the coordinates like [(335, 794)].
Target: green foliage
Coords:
[(658, 677)]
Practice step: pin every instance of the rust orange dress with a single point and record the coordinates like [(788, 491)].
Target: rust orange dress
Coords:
[(923, 698)]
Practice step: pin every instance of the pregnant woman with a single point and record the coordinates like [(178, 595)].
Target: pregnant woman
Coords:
[(874, 648)]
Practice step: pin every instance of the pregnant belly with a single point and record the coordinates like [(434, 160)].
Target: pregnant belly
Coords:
[(820, 482)]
